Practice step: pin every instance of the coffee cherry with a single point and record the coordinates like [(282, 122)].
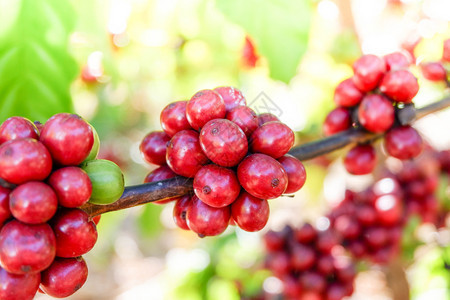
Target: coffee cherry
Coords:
[(173, 118), (68, 138), (96, 219), (336, 291), (106, 179), (313, 281), (347, 227), (5, 213), (302, 257), (366, 215), (206, 220), (204, 106), (64, 277), (325, 264), (184, 154), (389, 209), (75, 233), (161, 173), (216, 186), (305, 234), (446, 53), (403, 142), (339, 119), (180, 211), (245, 118), (33, 202), (279, 263), (273, 138), (262, 176), (15, 286), (17, 128), (376, 113), (369, 69), (295, 171), (266, 118), (26, 248), (376, 237), (153, 147), (72, 186), (291, 288), (223, 142), (326, 240), (434, 71), (400, 86), (231, 96), (360, 160), (347, 94), (95, 147), (273, 241), (396, 61), (250, 213), (24, 160)]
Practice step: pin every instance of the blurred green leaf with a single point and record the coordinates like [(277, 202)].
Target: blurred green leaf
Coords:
[(280, 29), (36, 69), (148, 220)]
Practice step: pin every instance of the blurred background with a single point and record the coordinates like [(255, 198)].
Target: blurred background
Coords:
[(118, 63)]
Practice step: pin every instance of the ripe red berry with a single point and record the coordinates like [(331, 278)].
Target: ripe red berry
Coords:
[(64, 277), (17, 128), (153, 147), (376, 237), (273, 241), (302, 257), (68, 138), (366, 215), (184, 154), (305, 234), (347, 94), (14, 286), (274, 139), (223, 142), (72, 186), (313, 281), (266, 118), (400, 86), (396, 61), (389, 209), (376, 113), (180, 211), (446, 53), (206, 220), (403, 142), (360, 160), (173, 118), (75, 233), (245, 118), (336, 291), (26, 248), (279, 263), (33, 202), (347, 227), (434, 71), (24, 160), (5, 213), (262, 176), (295, 171), (326, 240), (231, 96), (161, 173), (204, 106), (325, 264), (250, 213), (369, 69), (337, 120), (216, 186)]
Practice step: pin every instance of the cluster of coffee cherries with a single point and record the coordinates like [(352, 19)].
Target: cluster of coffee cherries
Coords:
[(310, 263), (221, 143), (371, 99), (438, 70), (47, 172)]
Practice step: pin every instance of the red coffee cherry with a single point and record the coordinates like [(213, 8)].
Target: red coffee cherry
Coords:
[(302, 257), (14, 286), (231, 96), (434, 71), (24, 160), (295, 171), (180, 211), (262, 176), (245, 118), (173, 118), (347, 94), (369, 69), (26, 248), (64, 277), (5, 213), (273, 138), (206, 220), (223, 142), (360, 160), (389, 209), (161, 173), (400, 85), (266, 118), (305, 234), (184, 154), (68, 138), (216, 186), (403, 142), (204, 106), (153, 147), (72, 186), (376, 237), (337, 120), (250, 213), (396, 61), (17, 128), (376, 113)]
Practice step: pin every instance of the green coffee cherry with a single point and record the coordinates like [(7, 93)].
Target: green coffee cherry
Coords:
[(107, 181), (95, 147)]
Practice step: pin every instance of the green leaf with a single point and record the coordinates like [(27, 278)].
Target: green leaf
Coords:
[(279, 28), (36, 69)]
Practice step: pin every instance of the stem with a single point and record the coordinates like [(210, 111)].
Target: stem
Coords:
[(397, 281)]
